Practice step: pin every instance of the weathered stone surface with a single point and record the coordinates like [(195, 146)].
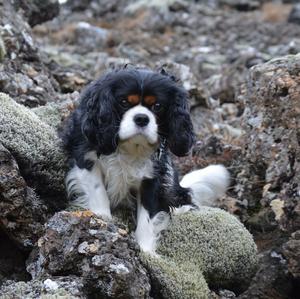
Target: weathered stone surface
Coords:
[(36, 148), (107, 258), (22, 213), (91, 36), (23, 75), (49, 288), (95, 7), (272, 122), (294, 16), (101, 253), (12, 260), (37, 11), (291, 251), (182, 73), (271, 280), (242, 5), (268, 175)]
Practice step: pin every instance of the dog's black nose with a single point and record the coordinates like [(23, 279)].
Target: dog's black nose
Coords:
[(141, 119)]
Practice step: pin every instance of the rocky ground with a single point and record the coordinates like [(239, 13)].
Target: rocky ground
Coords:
[(231, 55)]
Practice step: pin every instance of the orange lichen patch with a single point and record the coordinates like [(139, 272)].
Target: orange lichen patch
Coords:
[(87, 213), (133, 99), (149, 100)]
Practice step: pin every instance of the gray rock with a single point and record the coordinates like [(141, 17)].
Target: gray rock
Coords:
[(291, 251), (273, 104), (97, 8), (37, 11), (101, 253), (269, 281), (181, 72), (12, 259), (92, 37), (269, 169), (22, 212), (242, 5), (50, 288), (22, 73), (294, 16)]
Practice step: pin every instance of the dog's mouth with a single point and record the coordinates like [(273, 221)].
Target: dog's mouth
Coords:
[(138, 145), (140, 138)]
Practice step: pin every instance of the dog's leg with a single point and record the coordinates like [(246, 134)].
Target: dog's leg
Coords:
[(148, 229), (150, 220), (88, 189)]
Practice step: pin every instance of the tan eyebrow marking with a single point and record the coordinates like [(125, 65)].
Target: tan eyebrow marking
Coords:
[(133, 99), (150, 100)]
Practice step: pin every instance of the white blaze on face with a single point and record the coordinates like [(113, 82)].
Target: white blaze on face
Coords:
[(130, 126)]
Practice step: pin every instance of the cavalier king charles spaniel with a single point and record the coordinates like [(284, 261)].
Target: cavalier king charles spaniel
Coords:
[(119, 140)]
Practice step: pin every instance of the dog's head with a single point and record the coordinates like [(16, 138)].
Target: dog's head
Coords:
[(136, 104)]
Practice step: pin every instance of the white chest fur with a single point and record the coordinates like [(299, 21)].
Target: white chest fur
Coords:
[(121, 172)]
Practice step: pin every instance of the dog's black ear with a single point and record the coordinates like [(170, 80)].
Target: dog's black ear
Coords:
[(163, 72), (181, 135), (99, 120)]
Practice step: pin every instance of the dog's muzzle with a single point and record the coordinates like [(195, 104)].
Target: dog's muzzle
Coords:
[(139, 121)]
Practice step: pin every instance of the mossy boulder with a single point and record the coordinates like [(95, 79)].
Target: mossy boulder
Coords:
[(36, 148), (208, 243)]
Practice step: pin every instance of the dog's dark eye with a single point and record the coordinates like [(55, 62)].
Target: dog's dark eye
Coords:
[(124, 103), (157, 107)]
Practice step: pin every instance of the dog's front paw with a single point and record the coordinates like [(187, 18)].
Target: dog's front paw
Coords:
[(105, 215)]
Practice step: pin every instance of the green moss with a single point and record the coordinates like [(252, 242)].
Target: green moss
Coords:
[(207, 247), (50, 114), (34, 289), (34, 144), (175, 281), (216, 242)]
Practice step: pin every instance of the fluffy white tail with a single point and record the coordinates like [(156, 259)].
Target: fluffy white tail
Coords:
[(207, 184)]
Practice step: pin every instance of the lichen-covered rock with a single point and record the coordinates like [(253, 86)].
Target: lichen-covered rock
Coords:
[(213, 242), (270, 278), (170, 280), (101, 253), (96, 8), (203, 248), (271, 166), (269, 169), (12, 259), (198, 95), (54, 114), (50, 288), (291, 251), (23, 74), (208, 247), (294, 16), (38, 11), (22, 213), (36, 148), (162, 5)]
